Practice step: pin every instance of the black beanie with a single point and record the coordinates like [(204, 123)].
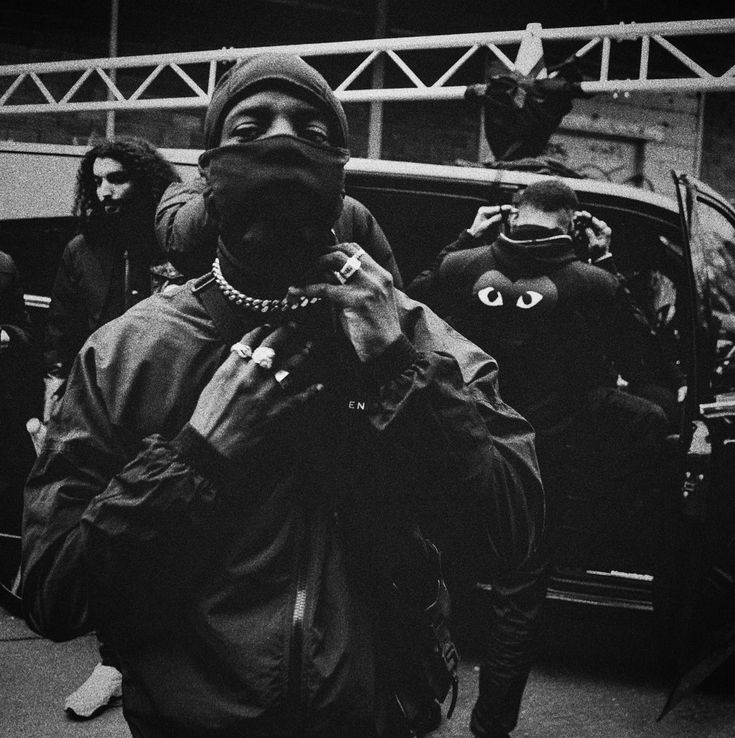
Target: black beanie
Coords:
[(285, 70)]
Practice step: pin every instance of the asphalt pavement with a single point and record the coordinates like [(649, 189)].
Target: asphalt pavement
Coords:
[(597, 676)]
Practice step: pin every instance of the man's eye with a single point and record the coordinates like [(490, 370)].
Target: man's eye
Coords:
[(316, 134), (247, 132)]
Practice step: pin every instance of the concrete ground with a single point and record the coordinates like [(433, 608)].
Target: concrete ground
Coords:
[(35, 677), (597, 676)]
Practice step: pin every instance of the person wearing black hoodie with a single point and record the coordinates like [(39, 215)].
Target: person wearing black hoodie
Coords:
[(563, 330)]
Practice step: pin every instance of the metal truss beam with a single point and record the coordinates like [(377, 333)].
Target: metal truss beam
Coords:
[(58, 86)]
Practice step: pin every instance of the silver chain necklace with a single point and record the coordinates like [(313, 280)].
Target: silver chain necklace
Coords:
[(256, 304)]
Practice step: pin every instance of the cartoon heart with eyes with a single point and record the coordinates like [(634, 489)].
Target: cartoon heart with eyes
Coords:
[(528, 298)]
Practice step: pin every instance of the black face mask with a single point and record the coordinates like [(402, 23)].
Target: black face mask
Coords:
[(276, 200)]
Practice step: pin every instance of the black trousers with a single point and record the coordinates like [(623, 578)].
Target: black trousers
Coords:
[(612, 443)]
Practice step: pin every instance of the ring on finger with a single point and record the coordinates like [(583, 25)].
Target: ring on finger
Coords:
[(263, 356), (352, 265), (242, 350), (280, 376)]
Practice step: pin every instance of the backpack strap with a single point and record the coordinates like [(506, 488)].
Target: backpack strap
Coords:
[(215, 303)]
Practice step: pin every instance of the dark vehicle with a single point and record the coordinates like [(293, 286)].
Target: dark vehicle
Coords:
[(678, 255), (681, 268)]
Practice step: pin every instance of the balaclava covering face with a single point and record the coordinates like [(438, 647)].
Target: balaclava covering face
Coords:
[(275, 198)]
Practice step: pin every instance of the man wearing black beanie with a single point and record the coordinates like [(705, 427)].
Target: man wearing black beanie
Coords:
[(245, 459), (185, 228)]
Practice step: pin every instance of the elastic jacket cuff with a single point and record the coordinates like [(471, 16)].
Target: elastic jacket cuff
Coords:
[(204, 459), (394, 360), (466, 240)]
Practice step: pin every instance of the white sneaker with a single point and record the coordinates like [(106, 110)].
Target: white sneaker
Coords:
[(103, 686)]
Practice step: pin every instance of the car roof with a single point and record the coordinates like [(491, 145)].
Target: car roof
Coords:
[(66, 157), (510, 178)]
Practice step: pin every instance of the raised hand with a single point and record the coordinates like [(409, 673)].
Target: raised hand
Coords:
[(252, 396), (364, 295)]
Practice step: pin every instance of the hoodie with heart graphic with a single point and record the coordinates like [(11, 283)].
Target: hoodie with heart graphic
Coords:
[(557, 326)]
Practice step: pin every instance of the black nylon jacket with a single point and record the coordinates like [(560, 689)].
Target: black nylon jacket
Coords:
[(89, 290), (225, 588)]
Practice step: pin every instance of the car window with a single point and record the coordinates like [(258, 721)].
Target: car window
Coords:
[(717, 237), (417, 224)]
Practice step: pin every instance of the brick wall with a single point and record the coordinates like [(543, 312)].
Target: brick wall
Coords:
[(638, 138), (718, 155)]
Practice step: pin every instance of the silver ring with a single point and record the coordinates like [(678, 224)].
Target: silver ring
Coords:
[(263, 356), (352, 265), (280, 376), (242, 350)]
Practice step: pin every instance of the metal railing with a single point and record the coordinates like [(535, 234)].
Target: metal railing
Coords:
[(59, 86)]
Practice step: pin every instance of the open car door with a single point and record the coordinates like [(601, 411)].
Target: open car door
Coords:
[(703, 582)]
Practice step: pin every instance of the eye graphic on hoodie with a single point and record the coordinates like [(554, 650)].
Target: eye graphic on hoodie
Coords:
[(491, 297), (524, 300)]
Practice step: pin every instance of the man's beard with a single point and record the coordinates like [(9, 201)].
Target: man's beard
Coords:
[(129, 227)]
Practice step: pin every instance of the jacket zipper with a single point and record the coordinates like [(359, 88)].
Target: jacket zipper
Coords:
[(295, 667), (127, 301)]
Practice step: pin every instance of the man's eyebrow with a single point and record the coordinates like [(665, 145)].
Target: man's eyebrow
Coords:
[(296, 106), (248, 108)]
